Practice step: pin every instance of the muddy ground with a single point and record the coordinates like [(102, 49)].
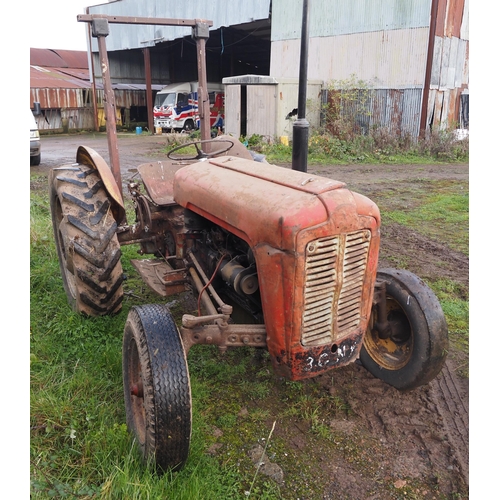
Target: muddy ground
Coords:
[(420, 437)]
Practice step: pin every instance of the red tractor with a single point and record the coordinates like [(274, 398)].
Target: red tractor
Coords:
[(278, 259)]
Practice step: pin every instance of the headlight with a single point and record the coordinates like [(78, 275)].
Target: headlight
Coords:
[(34, 134)]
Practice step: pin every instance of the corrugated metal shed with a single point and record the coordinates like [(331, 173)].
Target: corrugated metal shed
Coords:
[(383, 43), (58, 79), (221, 12), (65, 91)]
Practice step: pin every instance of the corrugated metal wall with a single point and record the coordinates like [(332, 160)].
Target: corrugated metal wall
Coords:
[(343, 17), (383, 43), (396, 110), (382, 59), (448, 103), (71, 109)]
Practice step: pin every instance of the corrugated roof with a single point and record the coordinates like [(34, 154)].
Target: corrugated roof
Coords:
[(221, 12), (68, 78), (58, 78), (49, 58)]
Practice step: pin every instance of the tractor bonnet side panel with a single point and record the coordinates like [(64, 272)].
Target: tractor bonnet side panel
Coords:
[(258, 202)]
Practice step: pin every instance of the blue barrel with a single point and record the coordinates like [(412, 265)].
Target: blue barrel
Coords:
[(138, 130)]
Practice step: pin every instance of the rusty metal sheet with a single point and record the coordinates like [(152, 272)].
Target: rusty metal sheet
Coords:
[(452, 18), (160, 276), (88, 156), (455, 17), (53, 78), (59, 58), (57, 98), (398, 110), (158, 179), (441, 17)]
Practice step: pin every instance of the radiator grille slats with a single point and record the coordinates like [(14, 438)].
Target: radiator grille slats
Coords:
[(321, 258), (335, 268)]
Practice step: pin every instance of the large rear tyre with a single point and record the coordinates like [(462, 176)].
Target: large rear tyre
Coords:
[(413, 350), (86, 241), (156, 386)]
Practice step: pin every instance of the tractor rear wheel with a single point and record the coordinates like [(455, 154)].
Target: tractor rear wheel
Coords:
[(415, 349), (156, 386), (86, 241)]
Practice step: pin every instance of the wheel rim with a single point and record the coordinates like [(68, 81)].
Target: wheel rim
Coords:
[(136, 391), (395, 351)]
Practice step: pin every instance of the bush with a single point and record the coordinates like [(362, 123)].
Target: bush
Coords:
[(442, 145)]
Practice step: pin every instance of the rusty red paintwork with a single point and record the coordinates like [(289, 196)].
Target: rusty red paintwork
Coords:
[(277, 212)]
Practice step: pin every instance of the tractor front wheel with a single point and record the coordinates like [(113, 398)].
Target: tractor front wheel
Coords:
[(86, 240), (156, 386), (412, 350)]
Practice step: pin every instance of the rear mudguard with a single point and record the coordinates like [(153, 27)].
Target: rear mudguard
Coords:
[(87, 156)]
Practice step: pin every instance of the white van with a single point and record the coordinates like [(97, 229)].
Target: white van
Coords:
[(35, 148)]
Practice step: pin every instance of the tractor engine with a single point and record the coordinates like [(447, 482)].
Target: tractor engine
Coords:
[(229, 262)]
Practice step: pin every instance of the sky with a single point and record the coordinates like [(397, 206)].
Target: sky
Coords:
[(53, 25)]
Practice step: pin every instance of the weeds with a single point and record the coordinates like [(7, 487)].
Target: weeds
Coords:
[(348, 134), (378, 146)]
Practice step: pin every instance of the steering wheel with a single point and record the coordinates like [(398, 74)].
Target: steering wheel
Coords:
[(199, 151)]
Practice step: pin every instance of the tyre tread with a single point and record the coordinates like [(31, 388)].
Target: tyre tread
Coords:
[(430, 347), (92, 238), (165, 369)]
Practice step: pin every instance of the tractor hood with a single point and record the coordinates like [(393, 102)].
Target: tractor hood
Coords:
[(263, 203)]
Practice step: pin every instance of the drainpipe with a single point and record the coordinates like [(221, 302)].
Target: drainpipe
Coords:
[(428, 69), (301, 125)]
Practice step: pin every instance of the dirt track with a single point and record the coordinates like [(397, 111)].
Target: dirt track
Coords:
[(422, 435)]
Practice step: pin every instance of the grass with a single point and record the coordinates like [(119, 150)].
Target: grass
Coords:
[(80, 447), (439, 210)]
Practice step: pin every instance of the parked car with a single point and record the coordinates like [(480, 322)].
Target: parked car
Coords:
[(35, 146)]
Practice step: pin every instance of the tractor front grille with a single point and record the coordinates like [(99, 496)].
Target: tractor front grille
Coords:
[(335, 269)]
